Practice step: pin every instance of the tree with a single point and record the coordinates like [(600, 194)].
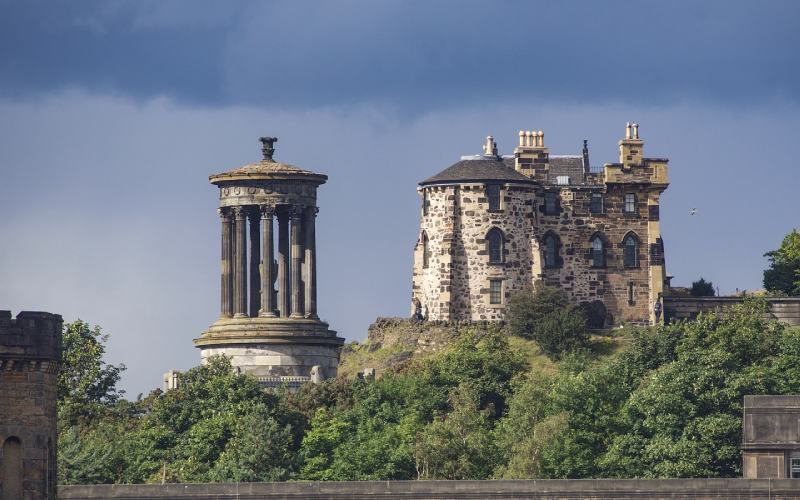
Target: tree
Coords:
[(86, 383), (684, 419), (702, 288), (783, 274), (458, 444), (547, 317)]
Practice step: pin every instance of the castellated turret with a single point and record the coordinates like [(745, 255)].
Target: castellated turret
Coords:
[(491, 225), (30, 348)]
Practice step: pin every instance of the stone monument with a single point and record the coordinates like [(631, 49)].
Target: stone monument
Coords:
[(30, 350), (268, 322)]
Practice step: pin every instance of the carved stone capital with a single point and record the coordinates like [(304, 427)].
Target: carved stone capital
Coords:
[(295, 212), (311, 211), (267, 211), (239, 212)]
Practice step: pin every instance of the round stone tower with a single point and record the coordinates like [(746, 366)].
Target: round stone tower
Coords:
[(476, 242), (268, 322), (30, 350)]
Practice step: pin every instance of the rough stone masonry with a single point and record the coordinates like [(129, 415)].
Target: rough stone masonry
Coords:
[(491, 225), (30, 350)]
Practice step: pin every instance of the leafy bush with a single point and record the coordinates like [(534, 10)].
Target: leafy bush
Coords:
[(547, 317)]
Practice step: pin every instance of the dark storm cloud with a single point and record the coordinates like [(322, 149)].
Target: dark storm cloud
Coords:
[(408, 55)]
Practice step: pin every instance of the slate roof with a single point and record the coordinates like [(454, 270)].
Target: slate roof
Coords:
[(571, 166), (481, 169)]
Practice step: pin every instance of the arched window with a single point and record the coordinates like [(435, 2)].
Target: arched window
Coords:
[(11, 468), (552, 250), (425, 250), (631, 250), (598, 252), (494, 243)]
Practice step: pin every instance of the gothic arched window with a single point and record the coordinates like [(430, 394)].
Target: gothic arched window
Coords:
[(494, 242), (598, 252), (631, 250), (552, 249), (425, 250)]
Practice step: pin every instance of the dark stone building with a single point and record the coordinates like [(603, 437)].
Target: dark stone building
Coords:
[(771, 437), (30, 350)]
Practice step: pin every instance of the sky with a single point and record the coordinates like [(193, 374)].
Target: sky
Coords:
[(114, 113)]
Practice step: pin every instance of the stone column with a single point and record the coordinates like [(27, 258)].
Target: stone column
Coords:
[(311, 263), (255, 258), (297, 260), (284, 276), (267, 273), (240, 264), (226, 285)]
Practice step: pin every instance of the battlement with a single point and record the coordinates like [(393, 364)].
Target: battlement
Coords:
[(31, 335)]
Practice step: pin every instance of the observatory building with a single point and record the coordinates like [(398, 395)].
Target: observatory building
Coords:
[(268, 324), (492, 225)]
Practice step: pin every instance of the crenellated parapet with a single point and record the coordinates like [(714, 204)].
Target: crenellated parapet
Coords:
[(30, 352)]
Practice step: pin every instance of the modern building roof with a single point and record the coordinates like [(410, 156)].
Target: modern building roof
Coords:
[(479, 169)]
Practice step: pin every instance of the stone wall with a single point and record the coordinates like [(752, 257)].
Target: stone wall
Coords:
[(455, 284), (770, 436), (30, 347), (552, 489), (279, 360), (785, 309), (626, 292), (455, 220)]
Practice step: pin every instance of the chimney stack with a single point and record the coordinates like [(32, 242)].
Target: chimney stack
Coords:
[(490, 148), (631, 148)]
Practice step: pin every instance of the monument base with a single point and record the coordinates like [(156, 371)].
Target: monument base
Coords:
[(277, 351)]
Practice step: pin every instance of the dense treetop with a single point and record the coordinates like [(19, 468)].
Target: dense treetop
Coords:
[(667, 402)]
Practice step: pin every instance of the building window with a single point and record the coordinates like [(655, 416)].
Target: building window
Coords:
[(493, 194), (630, 293), (794, 468), (551, 250), (598, 252), (425, 202), (631, 251), (495, 291), (550, 203), (596, 204), (630, 203), (425, 251), (494, 241)]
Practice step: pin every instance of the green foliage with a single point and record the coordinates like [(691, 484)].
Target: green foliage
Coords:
[(783, 274), (379, 430), (87, 385), (547, 317), (702, 288), (668, 405), (216, 426), (458, 444)]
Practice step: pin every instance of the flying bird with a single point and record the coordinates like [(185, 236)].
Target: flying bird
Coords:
[(692, 211)]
